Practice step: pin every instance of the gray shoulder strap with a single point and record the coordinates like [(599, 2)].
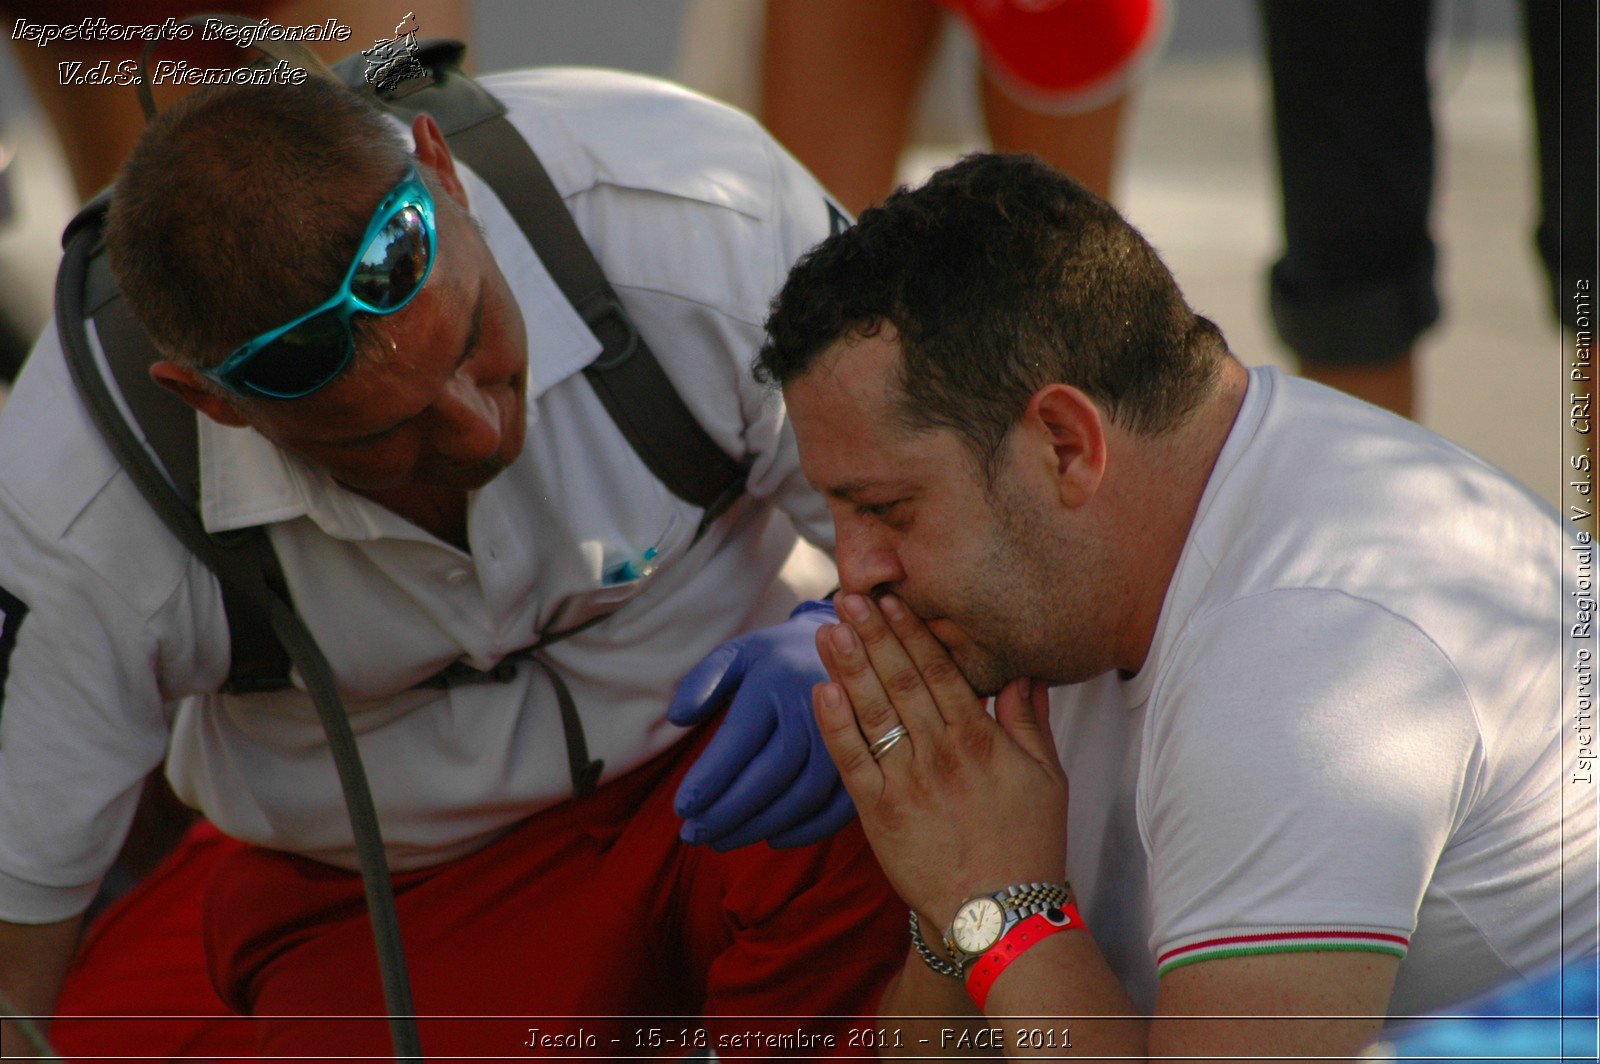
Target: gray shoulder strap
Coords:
[(167, 471)]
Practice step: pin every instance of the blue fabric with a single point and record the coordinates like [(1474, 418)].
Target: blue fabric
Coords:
[(1549, 1018)]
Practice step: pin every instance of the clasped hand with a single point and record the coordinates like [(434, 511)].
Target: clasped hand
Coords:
[(965, 803)]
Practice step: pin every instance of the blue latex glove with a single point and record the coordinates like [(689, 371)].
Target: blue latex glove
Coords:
[(765, 774)]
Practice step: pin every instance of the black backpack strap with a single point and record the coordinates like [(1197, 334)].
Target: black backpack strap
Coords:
[(258, 661)]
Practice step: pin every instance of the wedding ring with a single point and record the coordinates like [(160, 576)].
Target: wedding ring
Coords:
[(887, 741)]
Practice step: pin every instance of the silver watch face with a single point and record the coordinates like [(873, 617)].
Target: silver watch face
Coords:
[(977, 925)]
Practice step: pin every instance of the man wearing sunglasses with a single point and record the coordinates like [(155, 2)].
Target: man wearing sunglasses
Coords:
[(390, 380)]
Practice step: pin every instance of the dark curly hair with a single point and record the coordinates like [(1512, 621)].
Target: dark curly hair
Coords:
[(1000, 275)]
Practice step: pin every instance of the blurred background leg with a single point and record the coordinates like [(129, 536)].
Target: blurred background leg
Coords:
[(1084, 145), (1354, 131), (839, 83)]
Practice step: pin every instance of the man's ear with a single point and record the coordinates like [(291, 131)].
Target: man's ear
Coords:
[(1071, 425), (432, 150), (192, 389)]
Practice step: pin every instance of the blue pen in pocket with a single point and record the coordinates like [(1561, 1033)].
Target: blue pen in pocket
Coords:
[(639, 565)]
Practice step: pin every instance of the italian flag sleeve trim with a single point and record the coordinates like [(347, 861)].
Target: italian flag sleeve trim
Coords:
[(1297, 941)]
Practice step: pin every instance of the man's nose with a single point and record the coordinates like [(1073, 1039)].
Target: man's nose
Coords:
[(466, 421), (865, 560)]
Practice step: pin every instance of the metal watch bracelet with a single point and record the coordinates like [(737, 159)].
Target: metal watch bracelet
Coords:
[(949, 969), (1025, 899)]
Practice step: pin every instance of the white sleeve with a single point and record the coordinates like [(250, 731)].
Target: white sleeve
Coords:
[(76, 738), (1306, 758), (100, 614)]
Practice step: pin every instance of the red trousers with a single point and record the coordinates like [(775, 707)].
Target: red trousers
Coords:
[(589, 929), (139, 985)]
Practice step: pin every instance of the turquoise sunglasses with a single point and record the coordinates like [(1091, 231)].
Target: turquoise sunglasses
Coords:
[(392, 264)]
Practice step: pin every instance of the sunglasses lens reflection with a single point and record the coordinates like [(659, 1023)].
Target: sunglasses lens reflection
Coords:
[(393, 265)]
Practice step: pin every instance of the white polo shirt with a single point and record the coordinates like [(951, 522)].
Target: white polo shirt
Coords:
[(113, 640), (1350, 731)]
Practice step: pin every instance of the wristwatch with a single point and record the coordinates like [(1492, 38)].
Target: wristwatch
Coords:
[(982, 920)]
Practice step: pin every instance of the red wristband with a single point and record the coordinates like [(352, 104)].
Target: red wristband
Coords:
[(987, 968)]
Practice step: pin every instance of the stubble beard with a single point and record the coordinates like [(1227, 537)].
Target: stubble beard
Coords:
[(1027, 609)]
